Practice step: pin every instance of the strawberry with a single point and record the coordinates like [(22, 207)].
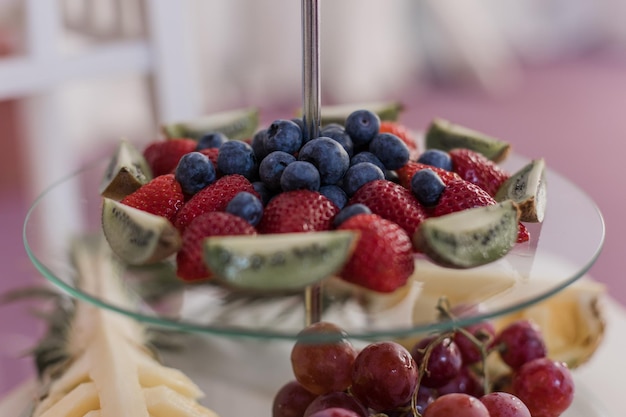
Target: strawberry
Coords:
[(211, 153), (401, 131), (461, 195), (383, 258), (392, 202), (161, 196), (406, 173), (523, 235), (214, 197), (298, 211), (190, 265), (163, 155), (477, 169)]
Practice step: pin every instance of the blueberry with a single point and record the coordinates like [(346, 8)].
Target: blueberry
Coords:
[(258, 144), (390, 149), (300, 175), (211, 140), (236, 157), (272, 166), (350, 211), (366, 156), (283, 135), (247, 206), (299, 122), (328, 156), (436, 158), (360, 174), (427, 186), (262, 190), (194, 172), (362, 126), (335, 194), (338, 133)]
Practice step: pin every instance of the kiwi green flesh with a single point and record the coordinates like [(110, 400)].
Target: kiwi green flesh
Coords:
[(280, 262), (237, 124), (126, 172), (386, 110), (469, 238), (446, 136), (138, 237), (527, 188)]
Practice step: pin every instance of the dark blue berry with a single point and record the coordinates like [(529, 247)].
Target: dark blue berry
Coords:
[(328, 156), (272, 166), (211, 140), (338, 133), (258, 144), (358, 175), (350, 211), (427, 186), (300, 175), (283, 135), (362, 126), (299, 122), (262, 190), (390, 149), (335, 194), (236, 157), (247, 206), (366, 156), (436, 158), (194, 172)]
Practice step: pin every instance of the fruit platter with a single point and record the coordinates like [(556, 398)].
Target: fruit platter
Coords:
[(337, 262)]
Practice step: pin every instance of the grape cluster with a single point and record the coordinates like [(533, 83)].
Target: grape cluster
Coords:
[(441, 375)]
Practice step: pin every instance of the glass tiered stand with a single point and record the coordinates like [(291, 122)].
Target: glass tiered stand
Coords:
[(236, 345)]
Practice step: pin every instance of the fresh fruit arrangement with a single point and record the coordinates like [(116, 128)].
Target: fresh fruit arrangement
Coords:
[(366, 174), (442, 375)]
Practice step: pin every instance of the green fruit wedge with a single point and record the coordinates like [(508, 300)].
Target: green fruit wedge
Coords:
[(527, 188), (338, 113), (278, 262), (445, 136), (235, 124), (127, 171), (136, 236), (471, 237)]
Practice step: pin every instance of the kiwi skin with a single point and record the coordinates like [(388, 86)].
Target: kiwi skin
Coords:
[(527, 187)]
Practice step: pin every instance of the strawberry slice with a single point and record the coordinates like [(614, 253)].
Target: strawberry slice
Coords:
[(477, 169), (383, 258), (401, 131), (163, 156), (161, 196), (190, 265), (407, 171), (392, 202), (298, 211), (214, 197)]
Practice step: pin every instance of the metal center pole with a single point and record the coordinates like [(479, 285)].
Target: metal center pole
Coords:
[(311, 116)]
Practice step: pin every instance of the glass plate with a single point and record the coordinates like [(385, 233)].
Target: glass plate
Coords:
[(560, 251)]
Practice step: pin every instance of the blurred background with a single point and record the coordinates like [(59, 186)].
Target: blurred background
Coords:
[(77, 75)]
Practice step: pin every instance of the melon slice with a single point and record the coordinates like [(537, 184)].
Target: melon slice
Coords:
[(278, 262)]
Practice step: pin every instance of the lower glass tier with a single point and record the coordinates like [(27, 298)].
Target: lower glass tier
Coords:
[(559, 252)]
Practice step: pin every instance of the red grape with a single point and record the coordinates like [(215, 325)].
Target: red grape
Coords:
[(291, 400), (520, 342), (502, 404), (466, 382), (384, 376), (455, 405), (323, 367), (336, 400), (335, 412), (545, 386), (483, 331), (444, 360)]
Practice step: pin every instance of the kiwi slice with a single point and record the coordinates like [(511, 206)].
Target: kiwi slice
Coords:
[(237, 124), (127, 171), (278, 262), (136, 236), (471, 237), (445, 136), (386, 110), (527, 187)]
